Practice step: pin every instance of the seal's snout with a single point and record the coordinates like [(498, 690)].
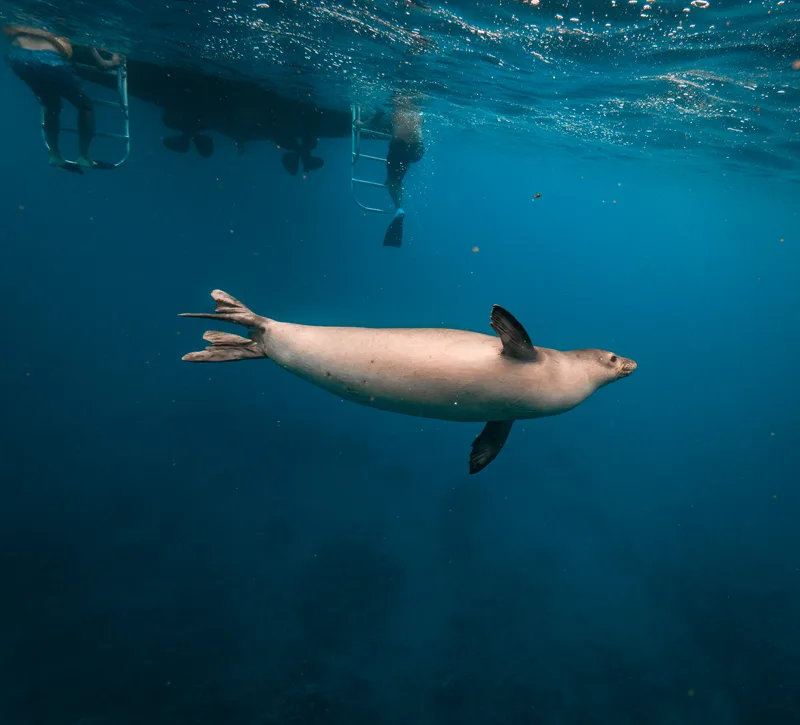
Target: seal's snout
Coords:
[(627, 367)]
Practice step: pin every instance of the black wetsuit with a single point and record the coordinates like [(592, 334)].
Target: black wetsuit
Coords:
[(50, 76), (400, 156)]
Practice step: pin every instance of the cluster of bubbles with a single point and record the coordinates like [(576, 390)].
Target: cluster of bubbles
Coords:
[(619, 71)]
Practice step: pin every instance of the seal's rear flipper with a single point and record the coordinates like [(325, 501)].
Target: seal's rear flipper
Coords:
[(226, 347), (488, 444)]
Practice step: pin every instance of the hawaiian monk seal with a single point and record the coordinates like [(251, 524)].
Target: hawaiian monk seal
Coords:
[(427, 372)]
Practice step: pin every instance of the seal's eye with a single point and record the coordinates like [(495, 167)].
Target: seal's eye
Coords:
[(613, 358)]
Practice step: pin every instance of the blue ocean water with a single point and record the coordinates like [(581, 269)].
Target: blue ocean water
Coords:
[(228, 545)]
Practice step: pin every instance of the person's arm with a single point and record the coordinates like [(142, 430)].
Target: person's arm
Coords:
[(106, 64), (12, 30), (63, 45)]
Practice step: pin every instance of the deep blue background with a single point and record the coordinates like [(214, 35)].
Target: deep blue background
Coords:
[(186, 544)]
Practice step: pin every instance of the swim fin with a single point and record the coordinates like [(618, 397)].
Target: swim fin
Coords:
[(72, 167), (312, 163), (291, 162), (394, 234), (103, 165), (179, 144), (204, 144)]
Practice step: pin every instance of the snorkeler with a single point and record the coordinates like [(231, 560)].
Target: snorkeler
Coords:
[(43, 61), (405, 148)]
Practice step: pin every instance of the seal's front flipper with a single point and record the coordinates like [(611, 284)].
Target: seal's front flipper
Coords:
[(516, 342), (488, 444), (224, 346)]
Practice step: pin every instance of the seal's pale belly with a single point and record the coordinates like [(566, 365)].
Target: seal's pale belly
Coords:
[(445, 374)]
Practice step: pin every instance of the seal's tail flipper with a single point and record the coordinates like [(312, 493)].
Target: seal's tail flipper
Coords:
[(226, 347)]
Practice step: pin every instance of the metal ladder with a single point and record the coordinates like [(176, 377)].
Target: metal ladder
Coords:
[(355, 137), (121, 73)]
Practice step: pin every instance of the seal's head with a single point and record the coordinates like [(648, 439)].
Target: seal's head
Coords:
[(606, 366)]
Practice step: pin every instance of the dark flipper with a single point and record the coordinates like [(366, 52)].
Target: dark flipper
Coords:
[(71, 166), (179, 144), (516, 342), (394, 234), (312, 163), (291, 162), (488, 444), (103, 165), (204, 144)]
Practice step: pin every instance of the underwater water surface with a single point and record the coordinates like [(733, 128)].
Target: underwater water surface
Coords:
[(229, 545)]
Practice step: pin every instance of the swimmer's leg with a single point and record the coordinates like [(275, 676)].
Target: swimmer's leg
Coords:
[(74, 93), (51, 123), (85, 135)]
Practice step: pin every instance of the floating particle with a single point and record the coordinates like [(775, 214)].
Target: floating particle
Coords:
[(538, 195), (690, 693), (476, 249), (781, 241), (796, 64), (703, 4)]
